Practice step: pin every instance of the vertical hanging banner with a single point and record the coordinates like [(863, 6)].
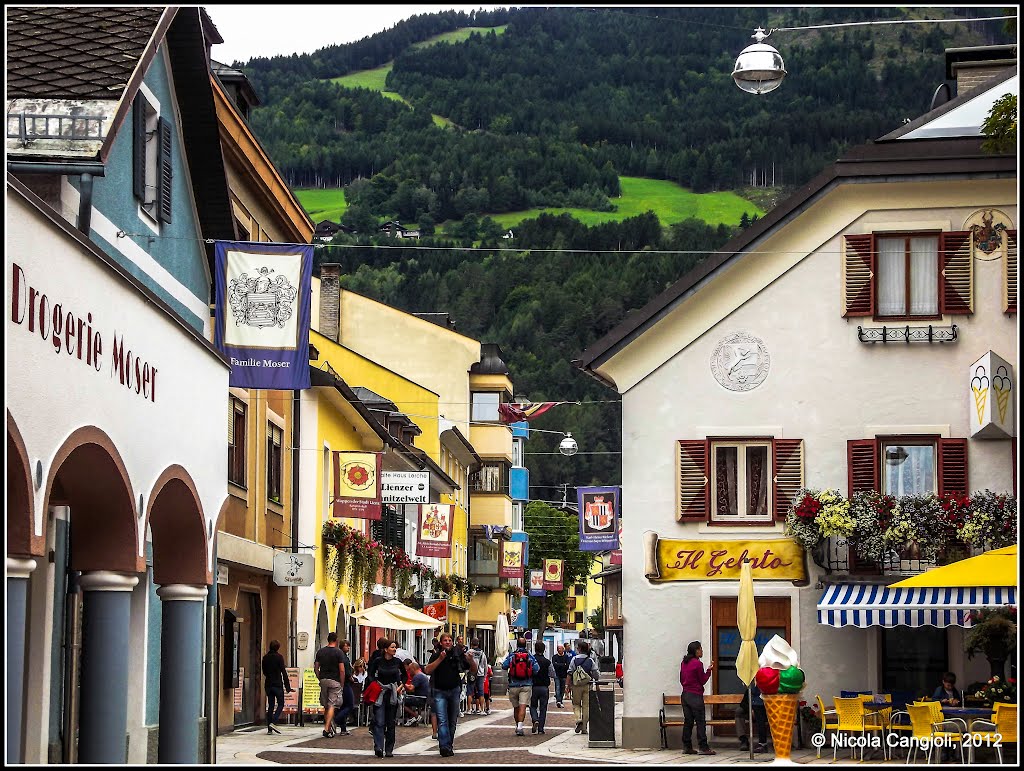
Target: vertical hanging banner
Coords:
[(552, 575), (599, 514), (434, 536), (537, 583), (511, 559), (615, 558), (262, 313), (356, 485)]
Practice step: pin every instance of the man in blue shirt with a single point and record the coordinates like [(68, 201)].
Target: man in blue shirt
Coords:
[(416, 699), (521, 667)]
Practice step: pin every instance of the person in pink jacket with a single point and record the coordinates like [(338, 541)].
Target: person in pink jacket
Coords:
[(692, 677)]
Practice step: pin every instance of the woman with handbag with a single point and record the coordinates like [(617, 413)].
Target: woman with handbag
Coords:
[(385, 681)]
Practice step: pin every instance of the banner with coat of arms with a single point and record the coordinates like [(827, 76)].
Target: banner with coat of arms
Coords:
[(434, 535), (262, 313), (537, 583), (511, 559), (552, 575), (356, 485), (599, 518)]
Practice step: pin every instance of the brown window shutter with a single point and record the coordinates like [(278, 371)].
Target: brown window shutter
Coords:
[(858, 267), (862, 465), (787, 473), (694, 487), (1010, 273), (953, 466), (956, 265), (166, 172), (139, 149)]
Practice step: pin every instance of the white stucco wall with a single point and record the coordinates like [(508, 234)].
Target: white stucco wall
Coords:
[(824, 387), (51, 394)]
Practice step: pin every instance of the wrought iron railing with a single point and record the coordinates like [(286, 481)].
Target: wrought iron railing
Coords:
[(907, 334), (836, 555), (29, 126)]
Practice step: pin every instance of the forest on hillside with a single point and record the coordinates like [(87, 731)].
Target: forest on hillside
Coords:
[(550, 113)]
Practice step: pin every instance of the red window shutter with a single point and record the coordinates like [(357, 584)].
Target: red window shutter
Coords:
[(862, 465), (1010, 274), (787, 473), (956, 265), (694, 470), (953, 466), (858, 264)]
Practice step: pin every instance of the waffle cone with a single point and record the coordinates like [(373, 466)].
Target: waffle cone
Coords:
[(1002, 399), (781, 709), (980, 396)]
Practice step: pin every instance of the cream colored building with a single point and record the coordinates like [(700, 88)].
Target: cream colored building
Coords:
[(763, 371)]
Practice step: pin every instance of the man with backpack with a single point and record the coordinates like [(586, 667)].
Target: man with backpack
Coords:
[(476, 682), (521, 667), (583, 673)]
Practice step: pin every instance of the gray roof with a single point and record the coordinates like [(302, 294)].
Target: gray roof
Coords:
[(79, 52)]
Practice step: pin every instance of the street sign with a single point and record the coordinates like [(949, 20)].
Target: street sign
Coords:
[(293, 569), (405, 486)]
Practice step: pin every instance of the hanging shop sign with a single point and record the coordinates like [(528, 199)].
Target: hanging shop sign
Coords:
[(511, 559), (673, 560), (437, 610), (551, 575), (537, 583), (357, 485), (599, 514), (293, 569), (434, 534), (990, 404), (405, 486)]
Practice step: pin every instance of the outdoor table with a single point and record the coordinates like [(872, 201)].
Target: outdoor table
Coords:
[(969, 715)]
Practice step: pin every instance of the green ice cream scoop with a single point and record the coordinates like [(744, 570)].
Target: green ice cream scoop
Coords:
[(791, 680)]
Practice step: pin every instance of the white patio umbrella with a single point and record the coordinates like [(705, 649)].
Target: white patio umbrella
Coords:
[(395, 615)]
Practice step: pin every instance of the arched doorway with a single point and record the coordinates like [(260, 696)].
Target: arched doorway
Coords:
[(322, 630)]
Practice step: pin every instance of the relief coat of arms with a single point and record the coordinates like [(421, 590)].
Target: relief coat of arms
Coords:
[(261, 301)]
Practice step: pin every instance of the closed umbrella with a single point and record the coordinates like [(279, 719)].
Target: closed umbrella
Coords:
[(746, 660), (501, 632)]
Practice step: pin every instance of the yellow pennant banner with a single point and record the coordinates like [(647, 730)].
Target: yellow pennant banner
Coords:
[(718, 560)]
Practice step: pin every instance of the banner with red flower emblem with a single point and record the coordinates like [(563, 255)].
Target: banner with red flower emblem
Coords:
[(434, 535), (511, 559), (553, 575), (356, 485)]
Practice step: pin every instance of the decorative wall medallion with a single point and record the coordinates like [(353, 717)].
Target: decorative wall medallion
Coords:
[(989, 227), (740, 362)]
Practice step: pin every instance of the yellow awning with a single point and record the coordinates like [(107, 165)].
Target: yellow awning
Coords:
[(993, 568)]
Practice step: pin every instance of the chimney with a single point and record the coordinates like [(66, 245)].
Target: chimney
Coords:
[(972, 66), (330, 301)]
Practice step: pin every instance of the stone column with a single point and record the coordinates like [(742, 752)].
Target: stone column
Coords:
[(181, 672), (103, 683), (18, 571)]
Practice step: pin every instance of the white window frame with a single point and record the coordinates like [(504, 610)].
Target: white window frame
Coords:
[(741, 481), (475, 417), (907, 441), (148, 208)]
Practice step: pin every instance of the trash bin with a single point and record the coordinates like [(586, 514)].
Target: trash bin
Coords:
[(602, 716)]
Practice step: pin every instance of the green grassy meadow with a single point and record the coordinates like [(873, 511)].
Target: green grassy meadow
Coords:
[(321, 204)]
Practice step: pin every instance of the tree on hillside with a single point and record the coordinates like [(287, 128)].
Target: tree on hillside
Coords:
[(554, 534)]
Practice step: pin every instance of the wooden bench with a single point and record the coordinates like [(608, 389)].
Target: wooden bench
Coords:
[(674, 718)]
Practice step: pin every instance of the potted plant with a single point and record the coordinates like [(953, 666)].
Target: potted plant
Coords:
[(997, 690), (993, 634)]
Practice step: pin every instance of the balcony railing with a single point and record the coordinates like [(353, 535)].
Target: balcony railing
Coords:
[(484, 573), (836, 556), (29, 126)]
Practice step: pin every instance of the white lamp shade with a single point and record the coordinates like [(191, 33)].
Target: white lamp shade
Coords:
[(759, 69)]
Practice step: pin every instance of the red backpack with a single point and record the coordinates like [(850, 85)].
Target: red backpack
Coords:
[(521, 669)]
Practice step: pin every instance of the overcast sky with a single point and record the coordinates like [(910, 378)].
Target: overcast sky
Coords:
[(271, 30)]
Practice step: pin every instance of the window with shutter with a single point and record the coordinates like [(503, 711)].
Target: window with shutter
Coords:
[(862, 465), (957, 273), (741, 481), (166, 172), (787, 473), (139, 149), (1010, 273), (274, 462), (858, 266), (694, 493), (236, 442)]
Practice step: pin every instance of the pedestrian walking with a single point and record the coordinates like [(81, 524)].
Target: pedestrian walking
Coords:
[(388, 671), (276, 684), (378, 651), (446, 666), (560, 665), (348, 702), (541, 689), (521, 667), (476, 681), (693, 676), (327, 666), (583, 673), (487, 690)]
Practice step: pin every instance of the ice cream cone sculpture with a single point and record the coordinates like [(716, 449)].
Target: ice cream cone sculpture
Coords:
[(781, 709), (980, 396)]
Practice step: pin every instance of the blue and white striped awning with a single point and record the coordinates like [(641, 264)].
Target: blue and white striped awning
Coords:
[(867, 605)]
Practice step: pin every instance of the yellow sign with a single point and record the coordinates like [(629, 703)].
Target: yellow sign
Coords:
[(310, 691), (672, 560)]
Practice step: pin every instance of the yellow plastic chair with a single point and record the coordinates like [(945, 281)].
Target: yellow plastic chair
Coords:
[(826, 724), (1003, 727), (927, 730), (853, 719)]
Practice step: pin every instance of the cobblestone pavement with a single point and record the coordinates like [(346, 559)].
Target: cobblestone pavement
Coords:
[(479, 740)]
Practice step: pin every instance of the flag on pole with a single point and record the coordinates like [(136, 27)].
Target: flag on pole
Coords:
[(511, 559), (599, 515), (262, 312), (514, 413), (356, 485), (434, 537), (552, 575)]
